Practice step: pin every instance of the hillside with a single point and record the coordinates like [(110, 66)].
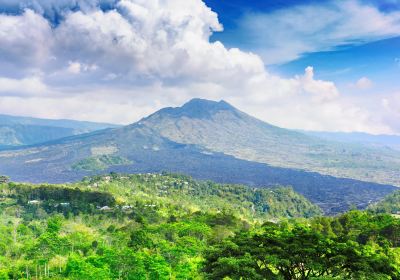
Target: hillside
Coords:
[(166, 191), (19, 131), (139, 148), (162, 227), (388, 141), (220, 127)]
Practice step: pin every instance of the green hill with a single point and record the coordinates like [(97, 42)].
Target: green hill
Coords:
[(163, 227), (163, 190)]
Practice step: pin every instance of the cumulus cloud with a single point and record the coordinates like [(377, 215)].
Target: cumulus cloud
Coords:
[(364, 83), (118, 63), (322, 90), (32, 86), (77, 67), (390, 108), (25, 42), (284, 35), (54, 9)]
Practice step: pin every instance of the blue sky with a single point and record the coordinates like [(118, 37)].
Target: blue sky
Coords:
[(316, 65), (376, 59)]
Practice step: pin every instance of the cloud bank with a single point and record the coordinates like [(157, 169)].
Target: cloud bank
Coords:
[(117, 61)]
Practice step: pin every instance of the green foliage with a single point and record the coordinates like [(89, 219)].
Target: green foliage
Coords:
[(140, 239), (209, 196), (390, 204), (3, 275), (92, 268), (54, 224), (299, 251), (162, 226), (100, 162)]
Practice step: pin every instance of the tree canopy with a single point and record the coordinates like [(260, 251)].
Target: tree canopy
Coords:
[(163, 226)]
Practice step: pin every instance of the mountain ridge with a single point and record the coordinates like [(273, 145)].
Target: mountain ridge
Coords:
[(25, 131), (68, 123), (380, 140)]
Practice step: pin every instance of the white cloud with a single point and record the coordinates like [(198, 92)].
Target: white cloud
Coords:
[(54, 9), (25, 42), (32, 86), (120, 64), (390, 110), (77, 67), (322, 90), (74, 67), (364, 83), (284, 35), (307, 103)]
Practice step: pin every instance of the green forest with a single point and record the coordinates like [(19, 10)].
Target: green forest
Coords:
[(168, 226)]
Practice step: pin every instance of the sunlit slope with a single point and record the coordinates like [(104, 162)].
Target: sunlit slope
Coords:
[(220, 127)]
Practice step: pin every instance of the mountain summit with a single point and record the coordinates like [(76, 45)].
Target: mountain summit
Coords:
[(203, 105), (196, 109)]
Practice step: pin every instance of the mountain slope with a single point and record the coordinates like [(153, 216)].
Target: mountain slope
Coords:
[(389, 141), (220, 127), (139, 148), (17, 131)]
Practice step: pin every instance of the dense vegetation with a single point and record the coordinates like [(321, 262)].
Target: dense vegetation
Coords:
[(355, 245), (100, 162), (390, 204), (162, 226)]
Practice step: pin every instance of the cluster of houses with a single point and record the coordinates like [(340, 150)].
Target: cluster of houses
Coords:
[(34, 202), (123, 208), (101, 208), (37, 202), (4, 179)]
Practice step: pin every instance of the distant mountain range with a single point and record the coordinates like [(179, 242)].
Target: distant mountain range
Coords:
[(20, 131), (388, 141), (213, 140)]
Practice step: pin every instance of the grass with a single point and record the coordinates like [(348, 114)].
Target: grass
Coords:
[(99, 163)]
